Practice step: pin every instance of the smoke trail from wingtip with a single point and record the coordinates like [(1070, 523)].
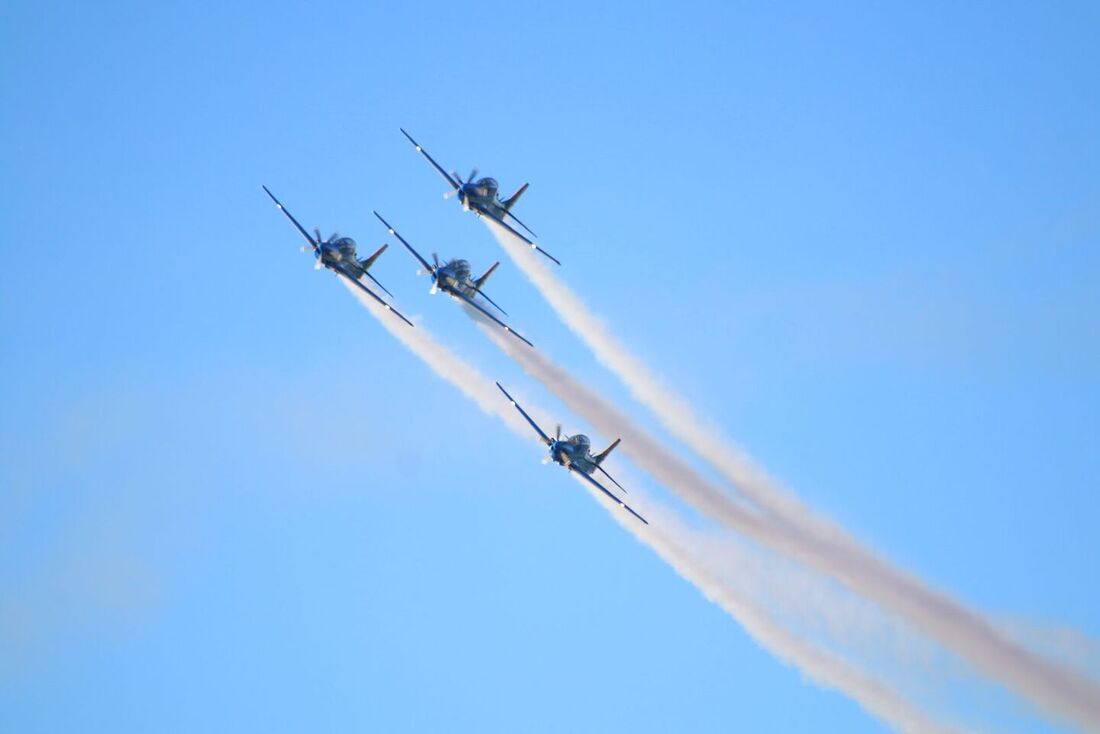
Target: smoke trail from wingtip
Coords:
[(788, 527), (818, 664)]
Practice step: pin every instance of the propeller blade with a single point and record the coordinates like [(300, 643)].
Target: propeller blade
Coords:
[(449, 194), (435, 260), (473, 172), (317, 234), (306, 248), (546, 459), (557, 432), (317, 264)]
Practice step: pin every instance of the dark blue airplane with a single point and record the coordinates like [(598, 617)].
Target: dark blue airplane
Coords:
[(575, 454)]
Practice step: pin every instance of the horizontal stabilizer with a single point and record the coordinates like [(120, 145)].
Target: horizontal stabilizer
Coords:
[(481, 281), (511, 200), (603, 454), (365, 264)]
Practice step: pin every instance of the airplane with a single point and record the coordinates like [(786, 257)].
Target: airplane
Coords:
[(481, 198), (575, 454), (338, 255), (453, 278)]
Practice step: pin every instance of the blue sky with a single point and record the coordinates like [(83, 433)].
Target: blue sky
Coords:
[(863, 238)]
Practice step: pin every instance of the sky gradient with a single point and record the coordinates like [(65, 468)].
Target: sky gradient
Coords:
[(863, 240)]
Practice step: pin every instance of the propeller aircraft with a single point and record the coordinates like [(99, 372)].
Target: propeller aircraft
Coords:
[(338, 255), (481, 197), (575, 454), (454, 279)]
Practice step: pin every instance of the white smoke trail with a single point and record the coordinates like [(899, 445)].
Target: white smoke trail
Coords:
[(819, 665), (672, 541), (788, 528), (671, 410)]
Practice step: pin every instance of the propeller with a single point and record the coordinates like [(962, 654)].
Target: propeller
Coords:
[(316, 249), (452, 192), (456, 177), (557, 432), (435, 275)]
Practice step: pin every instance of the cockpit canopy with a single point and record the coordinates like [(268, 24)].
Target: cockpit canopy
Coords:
[(461, 268), (580, 441), (345, 243), (488, 183)]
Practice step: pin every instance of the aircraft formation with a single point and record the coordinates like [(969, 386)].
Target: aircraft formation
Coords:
[(454, 278)]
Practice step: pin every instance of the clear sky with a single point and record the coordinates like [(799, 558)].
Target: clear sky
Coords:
[(865, 239)]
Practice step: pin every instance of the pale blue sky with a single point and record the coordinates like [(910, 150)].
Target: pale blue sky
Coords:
[(229, 501)]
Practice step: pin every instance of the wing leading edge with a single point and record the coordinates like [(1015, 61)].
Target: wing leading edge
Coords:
[(413, 252), (545, 439), (486, 213), (293, 221), (454, 184), (355, 281), (466, 299), (605, 490)]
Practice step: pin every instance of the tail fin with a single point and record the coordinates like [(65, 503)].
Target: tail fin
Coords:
[(511, 200), (481, 281), (603, 454), (365, 264)]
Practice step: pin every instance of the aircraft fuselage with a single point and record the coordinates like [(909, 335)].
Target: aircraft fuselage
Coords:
[(573, 452), (454, 277), (481, 195), (341, 252)]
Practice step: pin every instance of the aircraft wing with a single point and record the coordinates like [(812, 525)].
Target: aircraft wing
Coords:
[(604, 489), (490, 300), (486, 213), (367, 273), (545, 439), (408, 247), (466, 299), (340, 271), (454, 184), (292, 219), (611, 478), (516, 219)]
